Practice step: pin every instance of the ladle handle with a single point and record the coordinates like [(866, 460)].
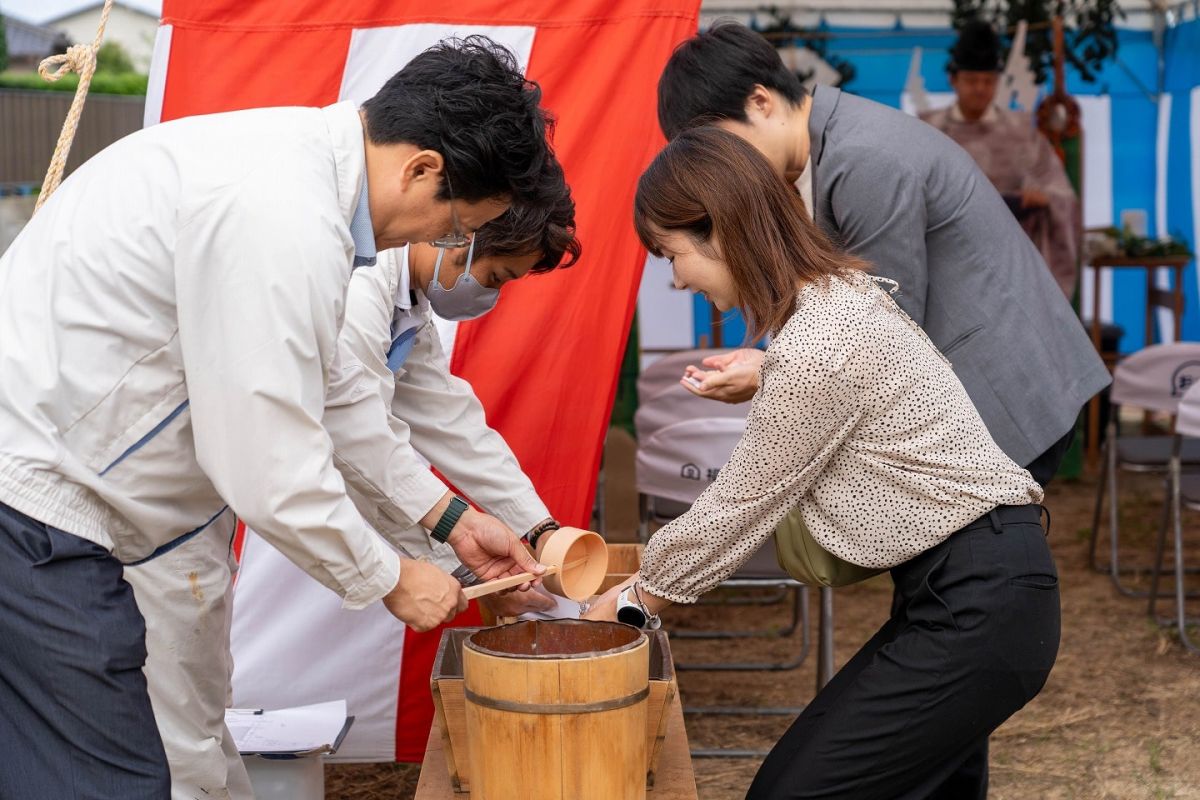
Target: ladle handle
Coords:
[(500, 584)]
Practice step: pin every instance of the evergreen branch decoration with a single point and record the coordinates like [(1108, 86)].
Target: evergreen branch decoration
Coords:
[(782, 32)]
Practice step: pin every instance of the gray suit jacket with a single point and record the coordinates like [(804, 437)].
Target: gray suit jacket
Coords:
[(902, 195)]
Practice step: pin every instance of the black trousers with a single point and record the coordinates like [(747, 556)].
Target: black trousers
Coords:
[(971, 641), (75, 717), (1045, 466)]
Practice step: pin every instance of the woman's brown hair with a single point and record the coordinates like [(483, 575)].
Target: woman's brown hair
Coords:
[(709, 183)]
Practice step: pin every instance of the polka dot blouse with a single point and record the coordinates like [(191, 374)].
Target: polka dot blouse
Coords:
[(860, 421)]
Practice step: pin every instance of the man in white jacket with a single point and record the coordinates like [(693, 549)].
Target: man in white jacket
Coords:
[(168, 328), (402, 407)]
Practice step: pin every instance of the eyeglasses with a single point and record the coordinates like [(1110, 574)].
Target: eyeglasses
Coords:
[(457, 238)]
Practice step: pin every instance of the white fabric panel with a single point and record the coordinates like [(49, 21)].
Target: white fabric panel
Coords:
[(1097, 191), (314, 651), (665, 314), (158, 76), (1162, 277), (1194, 140), (377, 54), (1156, 378)]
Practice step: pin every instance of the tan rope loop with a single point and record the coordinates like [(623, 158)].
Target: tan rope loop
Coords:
[(79, 58)]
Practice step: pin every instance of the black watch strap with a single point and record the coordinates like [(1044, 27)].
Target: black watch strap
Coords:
[(450, 517)]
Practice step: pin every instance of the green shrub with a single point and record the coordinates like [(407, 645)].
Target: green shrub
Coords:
[(3, 46), (128, 83), (111, 57)]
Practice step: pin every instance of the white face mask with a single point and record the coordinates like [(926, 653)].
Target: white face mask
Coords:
[(466, 299)]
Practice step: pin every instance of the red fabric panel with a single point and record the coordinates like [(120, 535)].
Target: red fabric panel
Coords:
[(239, 539), (220, 70), (546, 361), (307, 15), (414, 705)]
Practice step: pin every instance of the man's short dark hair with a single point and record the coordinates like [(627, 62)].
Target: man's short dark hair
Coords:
[(467, 99), (709, 77), (547, 231)]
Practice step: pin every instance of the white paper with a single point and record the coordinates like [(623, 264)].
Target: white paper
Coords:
[(301, 731), (563, 609)]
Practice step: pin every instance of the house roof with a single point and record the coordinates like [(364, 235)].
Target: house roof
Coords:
[(48, 12)]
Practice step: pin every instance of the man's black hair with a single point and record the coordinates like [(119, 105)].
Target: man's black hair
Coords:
[(467, 99), (709, 77), (547, 231)]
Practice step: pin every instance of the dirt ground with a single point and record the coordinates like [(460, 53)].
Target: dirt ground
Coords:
[(1119, 717)]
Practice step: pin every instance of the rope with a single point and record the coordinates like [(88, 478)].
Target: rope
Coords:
[(81, 59)]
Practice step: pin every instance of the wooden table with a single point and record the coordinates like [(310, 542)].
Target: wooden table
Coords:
[(676, 780), (1155, 298)]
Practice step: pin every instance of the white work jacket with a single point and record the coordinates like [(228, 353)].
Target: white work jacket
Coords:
[(391, 344), (168, 331)]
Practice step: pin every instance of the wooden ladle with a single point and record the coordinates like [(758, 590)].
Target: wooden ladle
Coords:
[(576, 563)]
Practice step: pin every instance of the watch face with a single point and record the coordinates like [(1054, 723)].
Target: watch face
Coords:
[(631, 615)]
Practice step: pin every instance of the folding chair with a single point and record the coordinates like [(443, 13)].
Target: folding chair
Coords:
[(1183, 491), (1149, 379), (676, 455)]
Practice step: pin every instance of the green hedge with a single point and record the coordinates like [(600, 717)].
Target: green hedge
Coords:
[(130, 83)]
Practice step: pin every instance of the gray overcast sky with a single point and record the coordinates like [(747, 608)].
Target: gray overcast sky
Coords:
[(40, 10)]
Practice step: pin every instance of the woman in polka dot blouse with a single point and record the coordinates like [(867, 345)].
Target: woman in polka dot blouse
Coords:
[(861, 423)]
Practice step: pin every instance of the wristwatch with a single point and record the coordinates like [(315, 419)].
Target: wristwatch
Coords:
[(450, 517), (632, 611), (464, 576)]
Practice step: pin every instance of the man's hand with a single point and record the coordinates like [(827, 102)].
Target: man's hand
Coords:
[(730, 377), (489, 549), (515, 603), (424, 597), (1032, 198)]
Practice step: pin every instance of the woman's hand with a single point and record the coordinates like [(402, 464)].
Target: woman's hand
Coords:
[(729, 377), (604, 609)]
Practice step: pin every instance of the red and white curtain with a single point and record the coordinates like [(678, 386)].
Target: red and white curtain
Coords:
[(545, 362)]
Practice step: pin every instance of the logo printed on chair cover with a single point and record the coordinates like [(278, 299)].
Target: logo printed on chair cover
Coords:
[(690, 472), (1184, 376)]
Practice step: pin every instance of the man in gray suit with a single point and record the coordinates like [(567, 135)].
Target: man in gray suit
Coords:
[(899, 193)]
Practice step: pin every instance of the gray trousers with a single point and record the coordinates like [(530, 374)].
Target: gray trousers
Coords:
[(75, 718)]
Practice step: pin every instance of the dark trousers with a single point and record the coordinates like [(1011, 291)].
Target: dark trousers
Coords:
[(1044, 467), (971, 641), (75, 718)]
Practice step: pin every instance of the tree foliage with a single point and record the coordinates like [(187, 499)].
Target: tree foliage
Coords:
[(113, 58), (1090, 37)]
